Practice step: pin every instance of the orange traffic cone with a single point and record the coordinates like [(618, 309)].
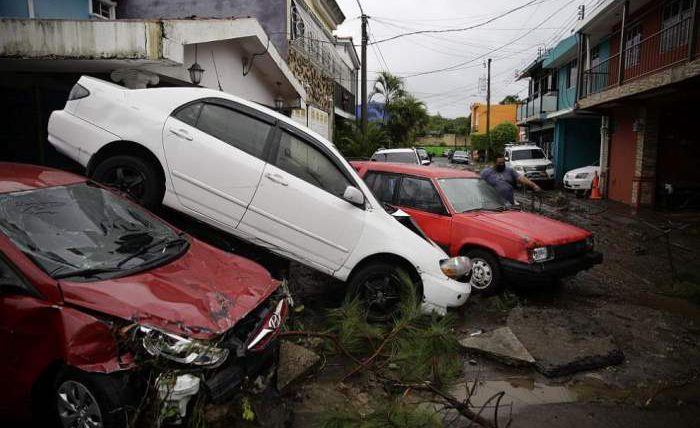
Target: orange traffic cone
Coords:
[(595, 191)]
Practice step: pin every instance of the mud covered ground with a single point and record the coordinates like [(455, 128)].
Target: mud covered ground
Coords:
[(645, 295)]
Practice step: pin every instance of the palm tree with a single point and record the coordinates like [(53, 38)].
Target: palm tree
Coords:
[(409, 117), (390, 87)]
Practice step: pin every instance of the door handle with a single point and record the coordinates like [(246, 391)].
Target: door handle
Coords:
[(276, 178), (181, 133)]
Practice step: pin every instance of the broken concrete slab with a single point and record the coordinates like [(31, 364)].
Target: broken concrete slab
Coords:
[(294, 362), (500, 344), (563, 342)]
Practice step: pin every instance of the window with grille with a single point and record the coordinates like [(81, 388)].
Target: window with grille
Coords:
[(633, 37), (103, 9), (675, 24)]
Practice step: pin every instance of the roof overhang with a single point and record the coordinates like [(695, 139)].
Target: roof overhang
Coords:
[(605, 16), (93, 46), (563, 52)]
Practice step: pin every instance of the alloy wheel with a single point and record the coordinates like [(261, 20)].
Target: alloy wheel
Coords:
[(126, 179), (77, 407), (482, 274), (381, 296)]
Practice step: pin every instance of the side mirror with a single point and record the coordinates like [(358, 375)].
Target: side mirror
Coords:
[(353, 195)]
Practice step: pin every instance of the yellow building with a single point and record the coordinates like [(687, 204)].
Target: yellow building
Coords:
[(499, 114)]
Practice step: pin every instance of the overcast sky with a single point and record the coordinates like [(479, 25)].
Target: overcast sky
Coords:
[(517, 37)]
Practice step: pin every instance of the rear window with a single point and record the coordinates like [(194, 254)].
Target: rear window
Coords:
[(399, 157), (525, 154)]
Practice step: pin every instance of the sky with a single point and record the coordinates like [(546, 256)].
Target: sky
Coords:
[(514, 39)]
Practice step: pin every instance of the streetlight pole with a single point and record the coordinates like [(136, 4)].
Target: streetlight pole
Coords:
[(363, 79), (488, 109)]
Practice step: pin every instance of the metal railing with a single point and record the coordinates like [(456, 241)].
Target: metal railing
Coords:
[(660, 50), (534, 107)]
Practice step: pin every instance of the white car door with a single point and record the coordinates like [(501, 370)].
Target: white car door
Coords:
[(215, 153), (299, 208)]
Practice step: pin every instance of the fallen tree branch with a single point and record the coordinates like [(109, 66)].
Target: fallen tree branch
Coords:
[(331, 337)]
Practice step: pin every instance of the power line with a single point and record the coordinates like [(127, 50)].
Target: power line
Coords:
[(453, 30)]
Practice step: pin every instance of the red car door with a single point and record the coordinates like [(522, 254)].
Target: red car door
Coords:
[(28, 339), (419, 198)]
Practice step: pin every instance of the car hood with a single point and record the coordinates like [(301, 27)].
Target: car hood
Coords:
[(201, 294), (589, 169), (532, 228), (530, 162)]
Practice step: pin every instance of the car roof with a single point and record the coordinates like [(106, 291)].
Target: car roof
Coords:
[(394, 151), (524, 146), (418, 170), (17, 177)]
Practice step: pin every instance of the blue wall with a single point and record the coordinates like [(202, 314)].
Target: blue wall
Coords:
[(576, 144), (69, 9), (14, 8), (75, 9), (567, 96)]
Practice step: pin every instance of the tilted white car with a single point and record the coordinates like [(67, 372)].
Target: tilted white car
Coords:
[(581, 179), (256, 174)]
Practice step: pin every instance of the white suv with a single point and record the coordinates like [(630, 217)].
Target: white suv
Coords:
[(530, 161), (256, 174)]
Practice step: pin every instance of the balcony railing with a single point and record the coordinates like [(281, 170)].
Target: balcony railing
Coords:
[(534, 108), (656, 52)]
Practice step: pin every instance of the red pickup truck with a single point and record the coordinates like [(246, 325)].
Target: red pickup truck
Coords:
[(466, 216)]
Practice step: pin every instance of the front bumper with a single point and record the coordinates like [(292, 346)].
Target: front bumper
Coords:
[(516, 271), (442, 293), (574, 184)]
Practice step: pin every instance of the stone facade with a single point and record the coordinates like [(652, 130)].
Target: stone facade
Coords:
[(644, 182), (319, 88)]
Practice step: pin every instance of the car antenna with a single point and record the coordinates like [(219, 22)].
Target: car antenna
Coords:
[(216, 71)]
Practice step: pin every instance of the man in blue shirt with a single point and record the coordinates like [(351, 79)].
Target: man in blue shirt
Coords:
[(504, 179)]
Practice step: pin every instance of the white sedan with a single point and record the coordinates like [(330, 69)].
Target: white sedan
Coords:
[(256, 174), (581, 179)]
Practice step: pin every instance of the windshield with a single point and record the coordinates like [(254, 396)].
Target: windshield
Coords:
[(84, 231), (422, 153), (469, 194), (395, 157), (525, 154), (460, 153)]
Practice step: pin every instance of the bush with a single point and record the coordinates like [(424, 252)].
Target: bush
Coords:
[(501, 135)]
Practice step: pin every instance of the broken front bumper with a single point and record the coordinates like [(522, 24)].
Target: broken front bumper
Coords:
[(442, 293), (541, 272)]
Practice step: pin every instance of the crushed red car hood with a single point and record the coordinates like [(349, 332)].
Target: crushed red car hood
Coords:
[(531, 227), (201, 294)]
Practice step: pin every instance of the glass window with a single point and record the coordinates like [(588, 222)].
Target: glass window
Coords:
[(573, 70), (470, 194), (632, 49), (189, 114), (301, 159), (675, 25), (85, 231), (9, 279), (241, 131), (382, 186), (525, 154), (419, 193)]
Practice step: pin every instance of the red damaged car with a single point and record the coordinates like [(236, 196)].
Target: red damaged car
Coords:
[(102, 303), (466, 216)]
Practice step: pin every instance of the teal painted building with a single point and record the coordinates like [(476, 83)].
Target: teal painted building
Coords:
[(569, 137)]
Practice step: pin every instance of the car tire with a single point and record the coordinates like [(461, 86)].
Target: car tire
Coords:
[(380, 286), (94, 397), (138, 178), (486, 277)]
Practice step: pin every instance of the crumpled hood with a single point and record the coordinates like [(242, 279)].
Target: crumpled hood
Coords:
[(532, 227), (201, 294)]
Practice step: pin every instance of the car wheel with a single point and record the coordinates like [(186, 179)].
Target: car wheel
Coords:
[(131, 175), (381, 288), (486, 273), (90, 400)]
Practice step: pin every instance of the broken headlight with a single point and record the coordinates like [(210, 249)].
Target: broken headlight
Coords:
[(456, 267), (541, 254), (181, 349)]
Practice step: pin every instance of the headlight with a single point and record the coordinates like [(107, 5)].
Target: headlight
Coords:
[(550, 165), (518, 168), (582, 175), (456, 267), (181, 349), (540, 254)]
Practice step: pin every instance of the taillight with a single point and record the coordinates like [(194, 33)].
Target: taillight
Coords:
[(78, 92), (269, 327)]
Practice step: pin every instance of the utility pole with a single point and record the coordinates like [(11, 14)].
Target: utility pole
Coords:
[(488, 109), (363, 78)]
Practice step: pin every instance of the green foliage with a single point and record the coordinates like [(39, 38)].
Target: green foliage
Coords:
[(390, 87), (408, 117), (351, 143), (501, 134), (511, 99), (439, 125), (354, 333), (388, 414)]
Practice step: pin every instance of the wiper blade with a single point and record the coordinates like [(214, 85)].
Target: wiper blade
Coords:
[(86, 272), (165, 243)]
